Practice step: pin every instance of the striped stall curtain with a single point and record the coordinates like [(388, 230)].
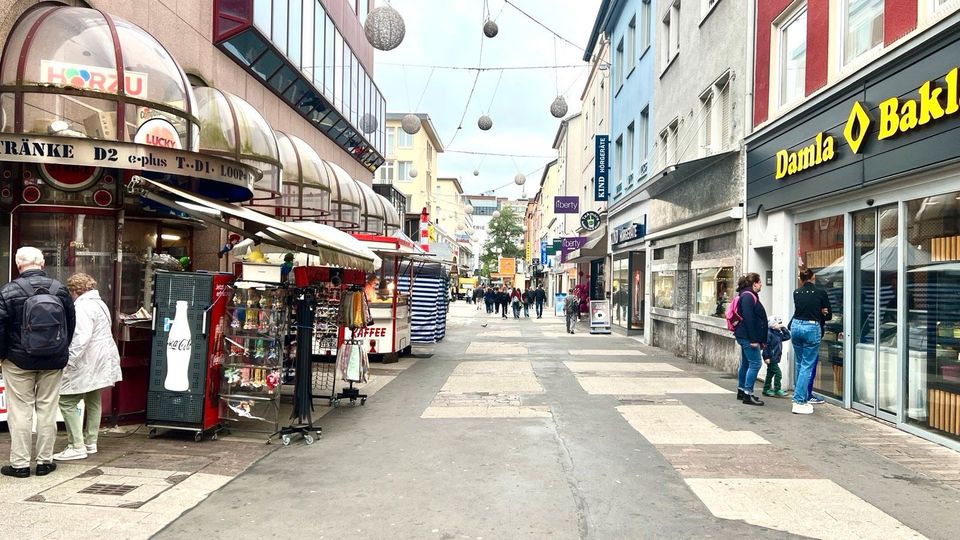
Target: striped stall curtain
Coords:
[(428, 318)]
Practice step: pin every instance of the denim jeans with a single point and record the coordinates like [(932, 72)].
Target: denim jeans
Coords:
[(805, 336), (750, 361), (539, 309), (526, 310), (516, 310), (489, 306)]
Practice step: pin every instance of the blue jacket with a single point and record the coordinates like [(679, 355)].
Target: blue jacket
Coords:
[(774, 349), (753, 327)]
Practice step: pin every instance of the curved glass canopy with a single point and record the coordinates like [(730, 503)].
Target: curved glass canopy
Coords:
[(391, 216), (372, 211), (230, 127), (306, 185), (347, 199)]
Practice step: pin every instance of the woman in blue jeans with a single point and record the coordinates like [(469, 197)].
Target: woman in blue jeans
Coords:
[(811, 310), (751, 334)]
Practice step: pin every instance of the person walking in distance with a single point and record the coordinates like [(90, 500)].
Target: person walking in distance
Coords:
[(811, 309), (571, 308), (527, 300), (37, 321), (488, 298), (539, 297), (503, 299), (94, 364), (750, 331)]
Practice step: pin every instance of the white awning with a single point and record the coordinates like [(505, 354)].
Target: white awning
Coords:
[(333, 247)]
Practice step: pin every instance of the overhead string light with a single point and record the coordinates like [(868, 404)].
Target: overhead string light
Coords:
[(490, 28), (559, 106), (384, 28), (410, 123), (484, 120)]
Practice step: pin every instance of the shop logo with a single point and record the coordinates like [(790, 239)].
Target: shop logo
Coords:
[(590, 221), (158, 132), (821, 150), (856, 129), (566, 204), (100, 79)]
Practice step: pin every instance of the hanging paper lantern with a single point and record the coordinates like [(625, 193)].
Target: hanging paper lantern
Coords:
[(490, 29), (369, 123), (485, 123), (519, 179), (410, 123), (496, 214), (468, 209), (413, 172), (384, 28), (476, 172), (559, 107)]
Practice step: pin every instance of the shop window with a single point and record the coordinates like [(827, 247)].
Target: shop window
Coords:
[(73, 243), (620, 295), (660, 254), (820, 243), (723, 242), (637, 290), (862, 27), (933, 314), (663, 289), (793, 56), (715, 288)]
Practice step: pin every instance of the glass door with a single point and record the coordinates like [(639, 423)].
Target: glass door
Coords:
[(875, 355)]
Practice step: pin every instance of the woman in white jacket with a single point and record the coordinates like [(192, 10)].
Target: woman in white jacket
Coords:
[(94, 364)]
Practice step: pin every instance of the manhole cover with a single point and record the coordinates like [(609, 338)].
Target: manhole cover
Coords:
[(108, 489)]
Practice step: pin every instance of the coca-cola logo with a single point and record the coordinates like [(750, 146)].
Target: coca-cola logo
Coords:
[(179, 344)]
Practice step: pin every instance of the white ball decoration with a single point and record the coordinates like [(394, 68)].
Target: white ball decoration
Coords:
[(413, 172), (476, 172), (410, 124), (519, 179), (559, 107), (384, 28), (369, 123), (490, 29), (485, 123), (496, 214), (468, 209)]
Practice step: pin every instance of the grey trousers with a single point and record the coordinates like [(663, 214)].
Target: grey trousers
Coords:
[(28, 390), (572, 321)]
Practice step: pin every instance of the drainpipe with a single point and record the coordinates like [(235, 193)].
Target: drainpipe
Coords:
[(749, 58)]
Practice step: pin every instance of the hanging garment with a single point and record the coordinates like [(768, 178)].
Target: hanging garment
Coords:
[(353, 363)]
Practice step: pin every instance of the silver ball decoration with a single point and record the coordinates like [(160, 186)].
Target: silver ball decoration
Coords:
[(369, 123), (476, 172), (519, 179), (559, 107), (410, 123), (485, 123), (496, 214), (490, 29), (413, 172), (468, 209), (384, 28)]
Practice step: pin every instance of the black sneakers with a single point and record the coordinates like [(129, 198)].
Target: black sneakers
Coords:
[(750, 399), (44, 469), (16, 472)]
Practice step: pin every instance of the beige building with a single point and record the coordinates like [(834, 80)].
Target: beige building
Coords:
[(411, 162)]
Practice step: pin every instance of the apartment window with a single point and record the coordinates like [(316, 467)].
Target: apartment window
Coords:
[(671, 34), (385, 173), (391, 141), (618, 64), (618, 146), (403, 170), (706, 6), (630, 141), (862, 27), (793, 57), (706, 124), (674, 142), (644, 130), (644, 25), (406, 139), (662, 148), (631, 44)]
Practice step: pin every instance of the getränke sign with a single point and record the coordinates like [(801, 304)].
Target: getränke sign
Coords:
[(895, 115)]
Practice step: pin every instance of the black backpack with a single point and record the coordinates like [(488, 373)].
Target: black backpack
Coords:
[(43, 331)]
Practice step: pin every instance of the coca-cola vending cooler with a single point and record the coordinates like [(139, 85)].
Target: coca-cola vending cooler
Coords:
[(187, 351)]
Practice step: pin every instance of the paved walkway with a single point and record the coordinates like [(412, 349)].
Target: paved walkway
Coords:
[(515, 429)]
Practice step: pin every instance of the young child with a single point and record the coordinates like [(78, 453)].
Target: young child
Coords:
[(776, 335)]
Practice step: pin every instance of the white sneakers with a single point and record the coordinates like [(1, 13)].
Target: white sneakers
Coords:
[(70, 454), (802, 408), (91, 448)]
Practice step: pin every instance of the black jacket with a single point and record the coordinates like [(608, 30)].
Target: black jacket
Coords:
[(12, 298), (503, 298), (774, 349), (539, 295), (809, 302), (753, 327)]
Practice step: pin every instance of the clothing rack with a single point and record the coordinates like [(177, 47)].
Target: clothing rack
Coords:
[(351, 393)]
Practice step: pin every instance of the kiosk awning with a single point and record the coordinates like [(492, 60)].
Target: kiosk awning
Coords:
[(333, 247)]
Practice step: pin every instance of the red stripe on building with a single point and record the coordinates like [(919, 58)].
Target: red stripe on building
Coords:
[(818, 46), (767, 12), (899, 19)]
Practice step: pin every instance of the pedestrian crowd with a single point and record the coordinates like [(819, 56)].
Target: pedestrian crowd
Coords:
[(496, 300), (56, 352)]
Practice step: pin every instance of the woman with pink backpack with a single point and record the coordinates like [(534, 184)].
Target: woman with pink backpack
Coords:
[(749, 321)]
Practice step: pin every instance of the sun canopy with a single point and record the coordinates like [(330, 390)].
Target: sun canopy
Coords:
[(333, 247)]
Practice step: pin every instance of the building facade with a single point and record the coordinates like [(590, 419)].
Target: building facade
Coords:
[(411, 166), (852, 172)]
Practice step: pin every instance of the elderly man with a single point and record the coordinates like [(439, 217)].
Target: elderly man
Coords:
[(37, 320)]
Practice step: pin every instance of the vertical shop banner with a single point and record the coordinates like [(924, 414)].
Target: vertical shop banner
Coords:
[(569, 244), (543, 252), (566, 204), (558, 300), (601, 142)]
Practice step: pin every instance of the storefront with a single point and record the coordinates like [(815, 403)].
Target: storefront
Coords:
[(861, 185), (628, 277)]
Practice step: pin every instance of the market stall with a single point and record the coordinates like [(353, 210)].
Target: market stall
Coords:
[(426, 284)]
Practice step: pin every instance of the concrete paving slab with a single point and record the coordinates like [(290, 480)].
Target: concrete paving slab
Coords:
[(677, 424), (649, 386), (496, 347), (605, 352), (620, 367)]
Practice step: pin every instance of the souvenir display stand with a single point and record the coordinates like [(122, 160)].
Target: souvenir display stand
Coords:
[(187, 351), (426, 283), (300, 349), (353, 362), (253, 343)]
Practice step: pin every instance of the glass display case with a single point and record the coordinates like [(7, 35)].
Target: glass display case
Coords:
[(663, 289), (253, 348), (715, 288)]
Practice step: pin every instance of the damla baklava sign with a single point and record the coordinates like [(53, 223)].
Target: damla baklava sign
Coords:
[(935, 99)]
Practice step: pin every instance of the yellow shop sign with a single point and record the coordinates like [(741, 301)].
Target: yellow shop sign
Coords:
[(820, 151)]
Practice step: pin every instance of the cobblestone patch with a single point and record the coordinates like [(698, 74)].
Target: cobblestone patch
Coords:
[(678, 424), (808, 507), (734, 461), (620, 367), (487, 389)]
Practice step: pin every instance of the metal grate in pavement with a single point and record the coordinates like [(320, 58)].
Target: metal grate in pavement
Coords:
[(108, 489)]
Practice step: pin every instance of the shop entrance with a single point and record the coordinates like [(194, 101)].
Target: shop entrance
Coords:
[(876, 352)]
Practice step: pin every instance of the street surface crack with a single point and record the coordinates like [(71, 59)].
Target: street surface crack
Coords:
[(567, 465)]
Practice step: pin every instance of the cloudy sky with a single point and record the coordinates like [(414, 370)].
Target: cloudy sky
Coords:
[(449, 33)]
